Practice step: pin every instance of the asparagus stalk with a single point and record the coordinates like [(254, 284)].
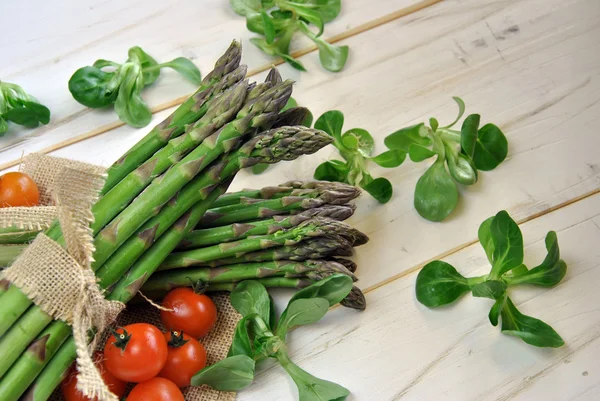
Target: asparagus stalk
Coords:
[(222, 109), (8, 253), (331, 192), (272, 146), (188, 112), (250, 209), (315, 227), (4, 285), (163, 282), (14, 235), (161, 190), (313, 248), (237, 231), (354, 300)]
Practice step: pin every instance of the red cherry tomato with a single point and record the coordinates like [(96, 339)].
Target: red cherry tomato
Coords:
[(186, 357), (157, 389), (194, 314), (18, 189), (137, 354), (69, 384)]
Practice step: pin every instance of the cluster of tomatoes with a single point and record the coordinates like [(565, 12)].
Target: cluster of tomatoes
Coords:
[(18, 189), (160, 363)]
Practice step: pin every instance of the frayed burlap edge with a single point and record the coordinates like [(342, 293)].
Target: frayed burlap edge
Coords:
[(61, 281)]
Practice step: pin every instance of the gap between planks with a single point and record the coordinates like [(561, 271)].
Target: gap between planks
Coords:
[(468, 244), (336, 38)]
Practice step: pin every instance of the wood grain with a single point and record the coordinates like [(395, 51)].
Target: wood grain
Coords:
[(355, 19), (400, 350)]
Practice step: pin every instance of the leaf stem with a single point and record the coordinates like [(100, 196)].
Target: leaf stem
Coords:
[(449, 134), (472, 281)]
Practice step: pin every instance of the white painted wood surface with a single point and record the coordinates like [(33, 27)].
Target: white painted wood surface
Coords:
[(43, 43), (530, 66)]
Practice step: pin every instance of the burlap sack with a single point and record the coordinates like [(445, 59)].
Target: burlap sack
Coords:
[(67, 278), (43, 170)]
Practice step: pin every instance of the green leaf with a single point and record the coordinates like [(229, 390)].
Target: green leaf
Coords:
[(491, 148), (186, 68), (493, 289), (485, 238), (438, 283), (90, 87), (529, 329), (242, 343), (434, 124), (331, 122), (268, 27), (293, 62), (549, 273), (129, 105), (332, 57), (291, 103), (301, 312), (405, 137), (332, 170), (250, 297), (494, 314), (42, 113), (460, 167), (329, 9), (22, 116), (418, 153), (461, 110), (282, 14), (308, 120), (3, 126), (245, 7), (259, 168), (256, 24), (508, 244), (468, 134), (436, 195), (379, 188), (146, 63), (365, 142), (390, 159), (350, 141), (230, 374), (333, 288), (312, 16), (101, 63), (521, 269)]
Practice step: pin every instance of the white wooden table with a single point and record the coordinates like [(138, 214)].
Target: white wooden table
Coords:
[(531, 66)]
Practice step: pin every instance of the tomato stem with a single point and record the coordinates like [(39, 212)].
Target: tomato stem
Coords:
[(122, 338), (199, 286), (176, 340)]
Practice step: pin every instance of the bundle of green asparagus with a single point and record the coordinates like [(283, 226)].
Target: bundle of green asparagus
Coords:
[(287, 236), (153, 197)]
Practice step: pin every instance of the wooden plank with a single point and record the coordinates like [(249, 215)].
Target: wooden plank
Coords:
[(549, 117), (400, 350), (43, 56)]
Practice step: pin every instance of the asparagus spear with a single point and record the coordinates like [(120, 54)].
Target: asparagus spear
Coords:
[(4, 285), (313, 248), (335, 190), (249, 209), (354, 300), (236, 231), (222, 109), (272, 146), (163, 282), (161, 190), (14, 235), (315, 227), (8, 253), (174, 125)]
